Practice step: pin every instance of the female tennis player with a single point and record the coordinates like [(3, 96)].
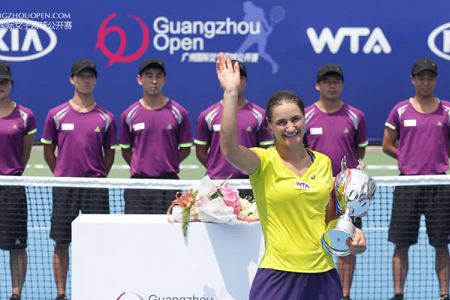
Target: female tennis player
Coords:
[(17, 129), (292, 187)]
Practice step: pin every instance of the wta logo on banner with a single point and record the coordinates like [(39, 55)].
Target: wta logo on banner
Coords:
[(188, 38), (23, 40), (371, 41), (439, 41)]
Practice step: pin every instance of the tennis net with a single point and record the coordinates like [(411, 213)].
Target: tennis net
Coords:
[(373, 275)]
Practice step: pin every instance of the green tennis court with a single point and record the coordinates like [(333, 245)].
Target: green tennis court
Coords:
[(378, 164)]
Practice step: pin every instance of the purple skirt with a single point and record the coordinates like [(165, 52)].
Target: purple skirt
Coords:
[(283, 285)]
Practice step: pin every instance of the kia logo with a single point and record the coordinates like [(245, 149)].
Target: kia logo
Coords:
[(23, 36), (444, 51)]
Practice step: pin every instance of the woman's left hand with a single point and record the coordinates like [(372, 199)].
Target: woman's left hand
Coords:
[(228, 73), (357, 244)]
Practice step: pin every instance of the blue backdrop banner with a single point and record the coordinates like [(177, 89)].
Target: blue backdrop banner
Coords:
[(283, 43)]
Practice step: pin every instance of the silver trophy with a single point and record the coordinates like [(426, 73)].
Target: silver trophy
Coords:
[(353, 190)]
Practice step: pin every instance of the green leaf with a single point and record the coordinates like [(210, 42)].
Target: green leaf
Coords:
[(186, 219), (216, 194)]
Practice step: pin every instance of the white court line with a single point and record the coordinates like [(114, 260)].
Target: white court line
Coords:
[(381, 167), (38, 228), (189, 167), (118, 166)]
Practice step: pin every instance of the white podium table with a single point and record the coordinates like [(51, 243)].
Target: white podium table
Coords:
[(143, 257)]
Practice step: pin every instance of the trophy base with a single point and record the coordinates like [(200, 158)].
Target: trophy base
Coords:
[(334, 240)]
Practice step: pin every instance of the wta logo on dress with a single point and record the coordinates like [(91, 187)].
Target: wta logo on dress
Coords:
[(302, 185), (23, 40)]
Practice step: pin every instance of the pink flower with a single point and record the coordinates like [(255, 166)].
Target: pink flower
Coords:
[(231, 198)]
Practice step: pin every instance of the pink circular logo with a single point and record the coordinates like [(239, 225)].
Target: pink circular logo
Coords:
[(118, 55)]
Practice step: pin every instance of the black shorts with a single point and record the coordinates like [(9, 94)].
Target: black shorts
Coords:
[(67, 204), (246, 193), (148, 201), (409, 203), (13, 217)]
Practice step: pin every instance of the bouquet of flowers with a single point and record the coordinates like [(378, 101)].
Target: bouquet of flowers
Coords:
[(211, 203)]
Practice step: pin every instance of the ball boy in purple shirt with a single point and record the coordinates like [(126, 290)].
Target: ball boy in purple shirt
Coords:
[(79, 136), (155, 138), (252, 131), (17, 129), (337, 130), (417, 135)]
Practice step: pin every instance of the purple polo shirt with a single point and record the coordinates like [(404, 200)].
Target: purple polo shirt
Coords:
[(155, 137), (336, 134), (19, 123), (252, 131), (423, 138), (80, 138)]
